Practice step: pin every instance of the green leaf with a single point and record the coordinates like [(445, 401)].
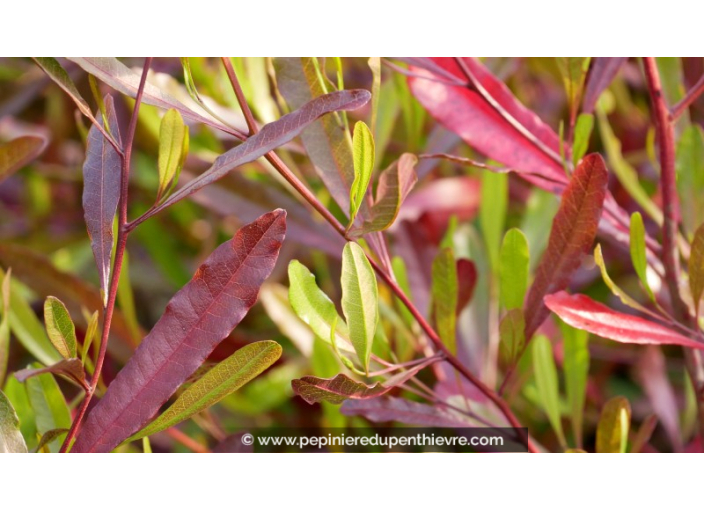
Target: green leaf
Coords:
[(91, 332), (492, 212), (374, 64), (314, 307), (612, 431), (444, 293), (401, 274), (615, 289), (18, 153), (546, 382), (48, 404), (27, 328), (224, 378), (690, 175), (696, 268), (49, 437), (582, 134), (637, 247), (512, 337), (359, 300), (60, 328), (5, 324), (11, 440), (514, 261), (574, 72), (576, 369), (173, 149), (363, 157), (17, 394)]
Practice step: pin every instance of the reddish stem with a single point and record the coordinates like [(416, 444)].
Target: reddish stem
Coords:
[(692, 95), (121, 244)]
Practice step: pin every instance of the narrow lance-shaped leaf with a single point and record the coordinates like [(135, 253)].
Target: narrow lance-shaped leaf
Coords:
[(359, 301), (124, 80), (18, 153), (5, 324), (582, 133), (574, 71), (340, 388), (637, 248), (696, 268), (49, 437), (71, 368), (363, 158), (614, 423), (48, 404), (602, 72), (314, 307), (221, 380), (374, 64), (270, 137), (444, 291), (615, 289), (91, 333), (514, 260), (196, 320), (492, 213), (581, 312), (173, 149), (546, 381), (512, 336), (395, 183), (466, 280), (11, 440), (576, 370), (327, 143), (101, 193), (60, 328), (572, 235)]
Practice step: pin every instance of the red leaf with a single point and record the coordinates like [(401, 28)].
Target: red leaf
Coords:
[(403, 411), (601, 73), (469, 115), (101, 192), (196, 320), (467, 279), (573, 231), (581, 312)]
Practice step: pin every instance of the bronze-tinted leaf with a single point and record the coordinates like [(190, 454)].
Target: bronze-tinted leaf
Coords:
[(71, 368), (101, 192), (196, 320), (572, 235), (19, 152)]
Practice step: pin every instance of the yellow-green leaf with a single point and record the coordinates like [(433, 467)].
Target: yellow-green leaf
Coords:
[(173, 148), (514, 260), (314, 307), (5, 324), (48, 404), (359, 301), (547, 384), (612, 431), (574, 72), (11, 440), (492, 213), (444, 293), (19, 152), (60, 328), (363, 157), (696, 268), (637, 247), (512, 336), (224, 378), (582, 133), (617, 291)]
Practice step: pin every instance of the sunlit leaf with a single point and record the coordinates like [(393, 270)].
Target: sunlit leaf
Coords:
[(196, 320), (359, 301), (581, 312), (582, 133), (11, 440), (444, 293), (221, 380), (547, 383), (514, 260), (173, 148), (363, 158), (614, 423), (60, 328)]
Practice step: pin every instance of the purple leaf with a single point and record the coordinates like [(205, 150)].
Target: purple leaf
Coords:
[(572, 235), (403, 411), (196, 320), (601, 73), (101, 192), (71, 368)]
